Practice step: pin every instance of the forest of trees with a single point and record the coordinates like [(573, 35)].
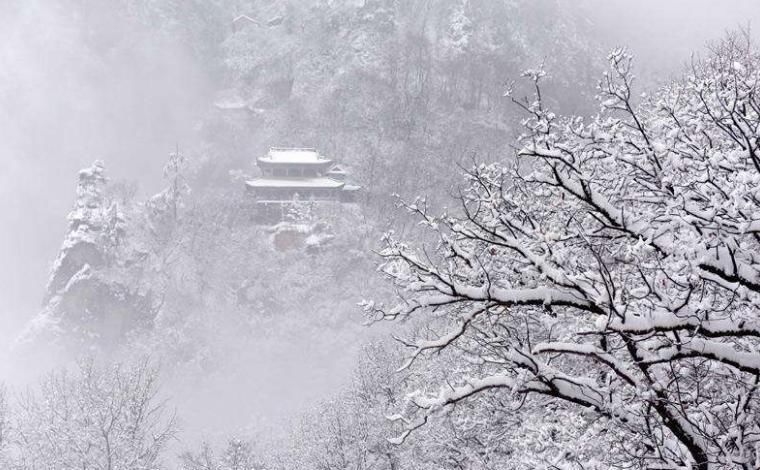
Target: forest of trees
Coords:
[(559, 265)]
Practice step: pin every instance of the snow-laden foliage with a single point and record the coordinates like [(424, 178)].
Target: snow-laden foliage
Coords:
[(238, 455), (350, 430), (4, 427), (612, 270), (97, 417), (356, 428), (172, 199)]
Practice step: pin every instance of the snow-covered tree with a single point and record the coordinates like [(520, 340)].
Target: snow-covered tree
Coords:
[(98, 417), (238, 455), (174, 173), (300, 211), (612, 270), (4, 428), (350, 430)]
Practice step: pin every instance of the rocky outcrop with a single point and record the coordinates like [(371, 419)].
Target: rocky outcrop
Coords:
[(91, 300)]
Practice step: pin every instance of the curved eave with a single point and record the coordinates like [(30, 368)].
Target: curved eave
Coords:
[(291, 162), (288, 183)]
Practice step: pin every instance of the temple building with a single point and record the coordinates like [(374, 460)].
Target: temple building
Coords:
[(302, 174)]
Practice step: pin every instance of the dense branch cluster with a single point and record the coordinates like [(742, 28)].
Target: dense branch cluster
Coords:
[(614, 267), (97, 417)]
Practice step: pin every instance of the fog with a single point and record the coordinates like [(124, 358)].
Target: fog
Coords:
[(87, 80), (664, 35), (61, 110)]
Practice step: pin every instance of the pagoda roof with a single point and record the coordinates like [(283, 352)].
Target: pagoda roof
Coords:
[(318, 182), (299, 156), (337, 169)]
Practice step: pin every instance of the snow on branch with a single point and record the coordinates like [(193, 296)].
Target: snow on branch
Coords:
[(613, 266)]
